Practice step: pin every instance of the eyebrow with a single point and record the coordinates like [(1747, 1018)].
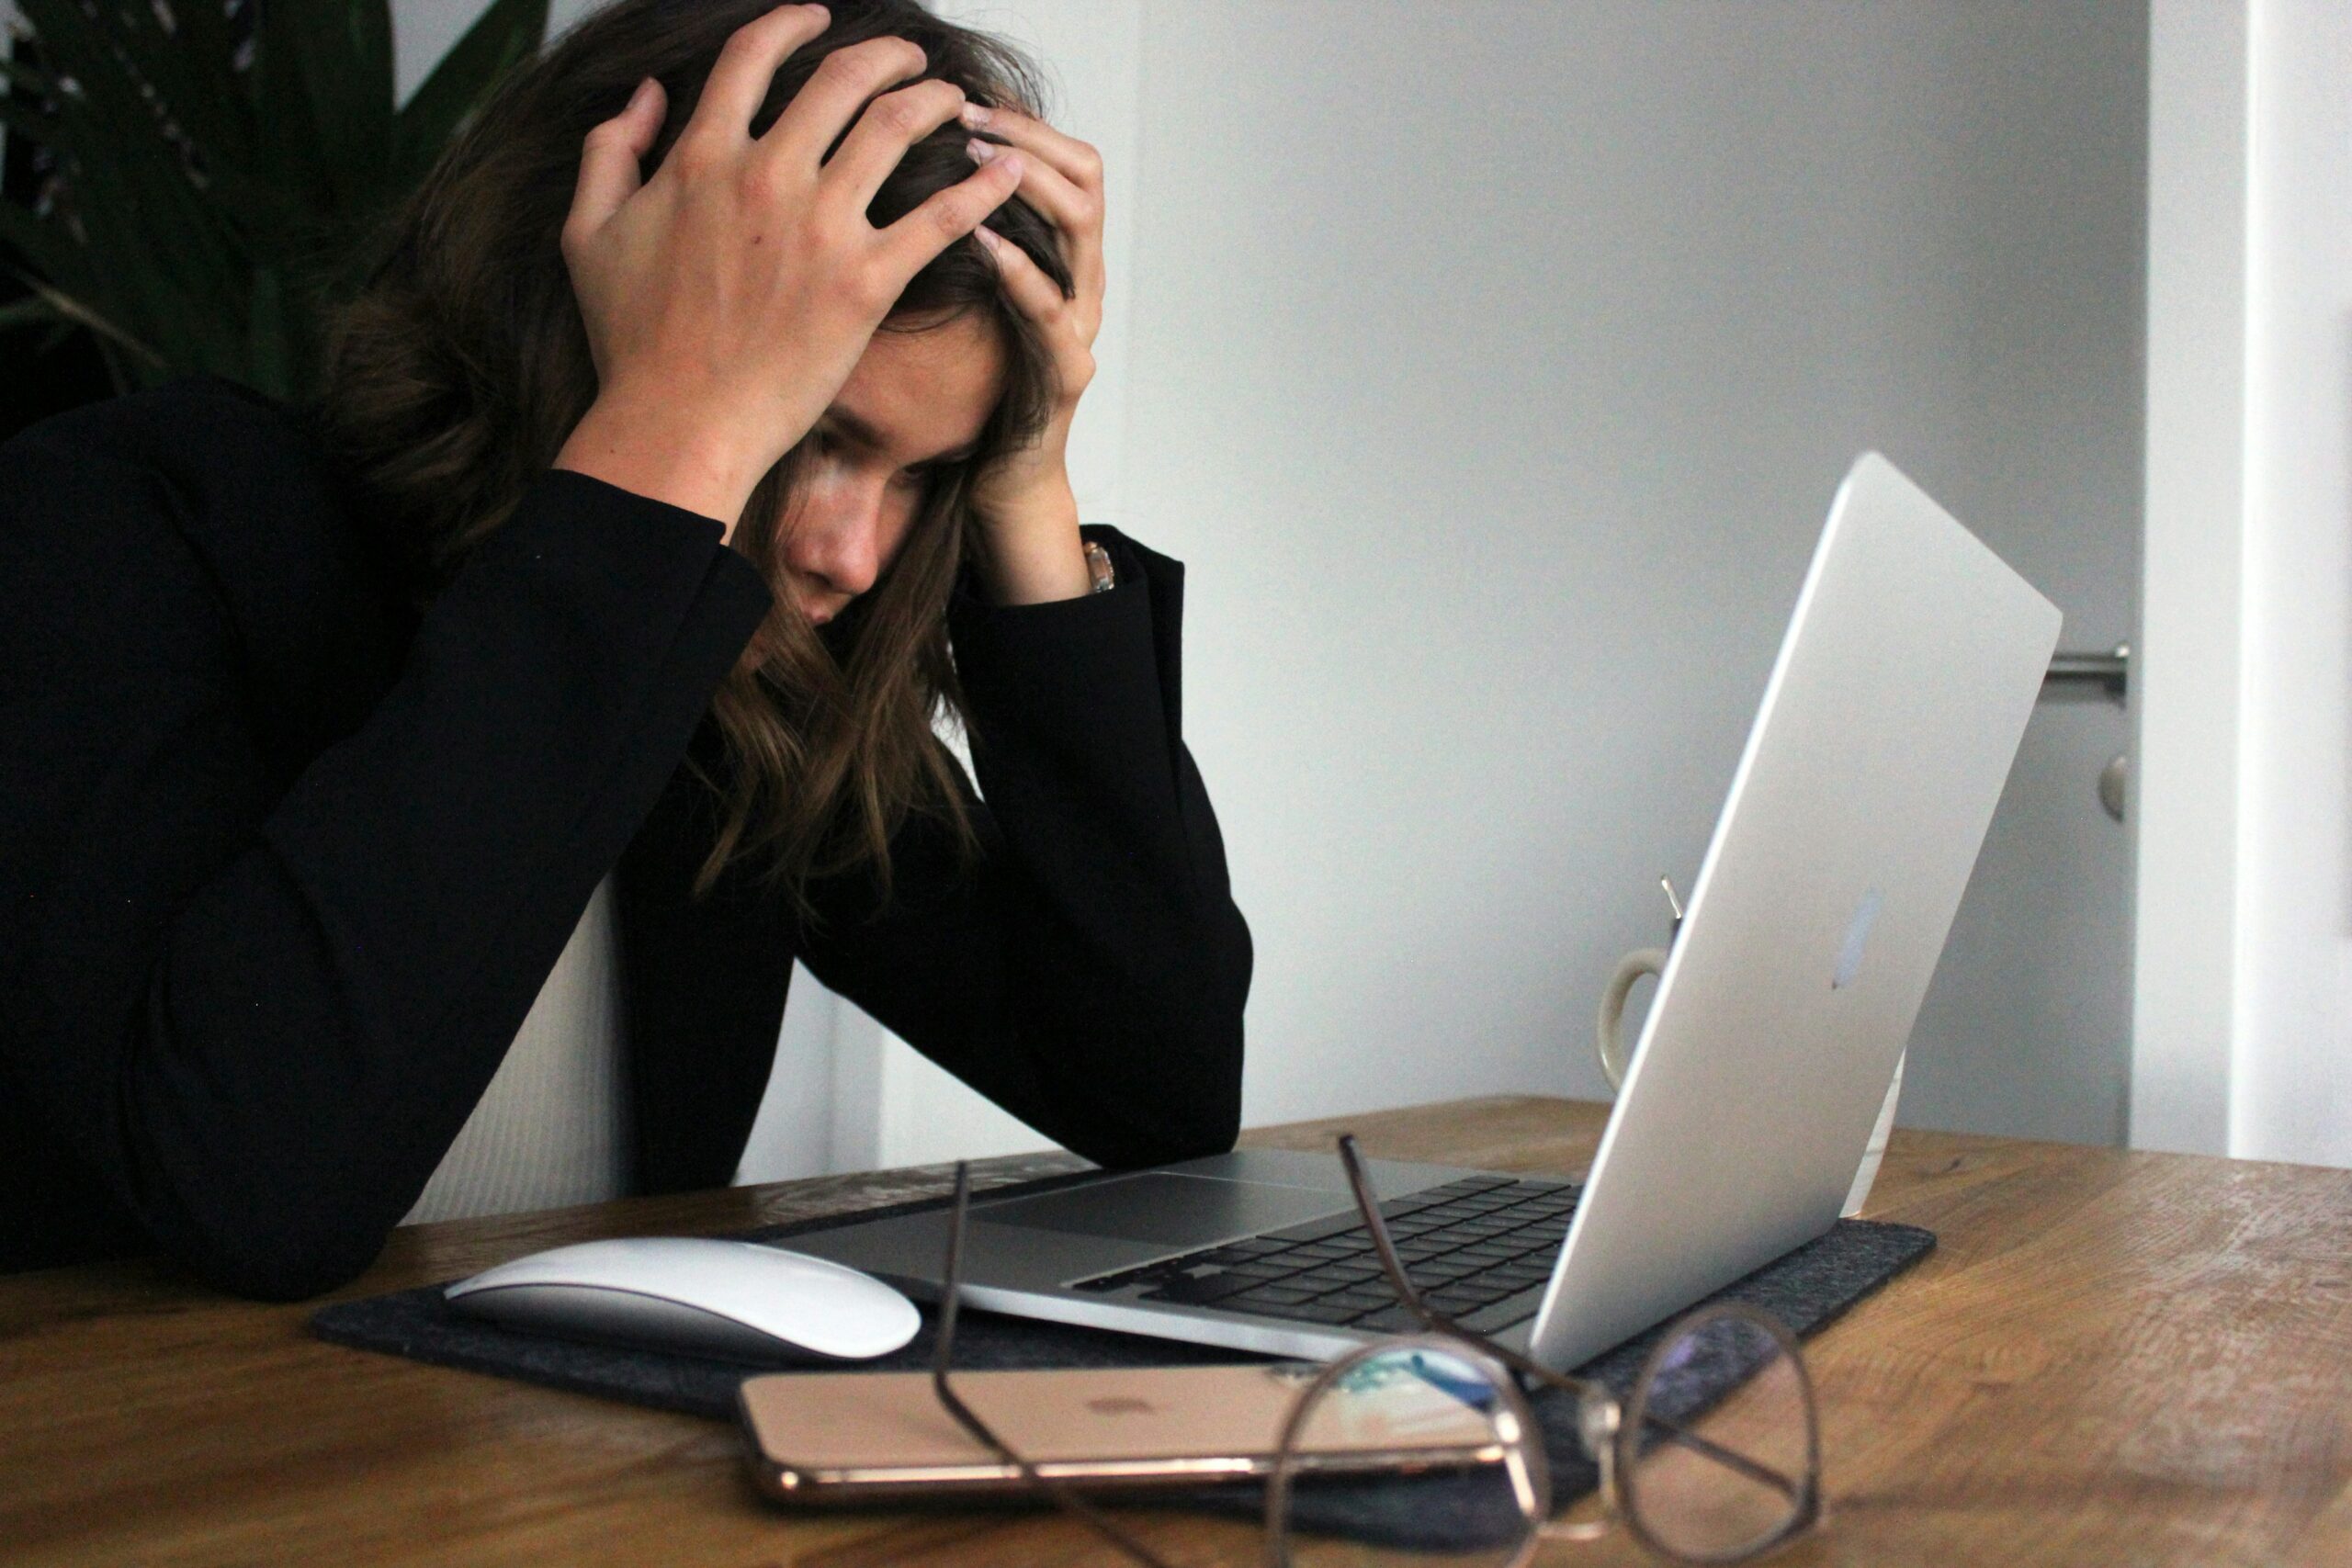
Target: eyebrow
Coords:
[(865, 435)]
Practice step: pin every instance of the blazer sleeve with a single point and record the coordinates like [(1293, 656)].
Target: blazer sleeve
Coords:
[(259, 1014), (1088, 972)]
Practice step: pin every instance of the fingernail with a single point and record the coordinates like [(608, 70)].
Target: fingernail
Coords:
[(1012, 165), (637, 99), (987, 236), (978, 151), (976, 115)]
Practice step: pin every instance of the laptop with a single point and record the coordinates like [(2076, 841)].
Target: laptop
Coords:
[(1886, 732)]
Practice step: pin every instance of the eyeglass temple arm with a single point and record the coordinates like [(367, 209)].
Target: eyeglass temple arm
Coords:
[(1368, 1204), (943, 1355)]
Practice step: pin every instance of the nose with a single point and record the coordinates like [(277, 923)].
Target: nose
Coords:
[(837, 538)]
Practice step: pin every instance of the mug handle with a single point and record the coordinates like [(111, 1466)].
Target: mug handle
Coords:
[(1609, 1028), (1609, 1044)]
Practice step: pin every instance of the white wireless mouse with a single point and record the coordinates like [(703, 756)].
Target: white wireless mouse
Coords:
[(735, 1298)]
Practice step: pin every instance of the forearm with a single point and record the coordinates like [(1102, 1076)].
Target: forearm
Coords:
[(663, 453), (260, 1012), (1091, 975), (1031, 552)]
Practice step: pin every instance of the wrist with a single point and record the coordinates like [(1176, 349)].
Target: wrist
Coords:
[(657, 454), (1030, 549)]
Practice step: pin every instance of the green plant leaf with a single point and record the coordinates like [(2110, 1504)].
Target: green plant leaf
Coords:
[(507, 33), (47, 250), (26, 313), (329, 69), (268, 337), (210, 214), (114, 122), (23, 79), (22, 117), (188, 64), (83, 313)]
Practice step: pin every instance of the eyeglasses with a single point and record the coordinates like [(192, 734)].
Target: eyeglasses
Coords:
[(1715, 1456)]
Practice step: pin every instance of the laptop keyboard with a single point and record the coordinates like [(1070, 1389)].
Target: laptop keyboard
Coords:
[(1471, 1247)]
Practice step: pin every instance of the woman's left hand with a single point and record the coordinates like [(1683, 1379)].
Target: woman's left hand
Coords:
[(1024, 500)]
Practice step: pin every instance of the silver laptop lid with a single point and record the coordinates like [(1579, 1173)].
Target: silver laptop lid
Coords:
[(1887, 729)]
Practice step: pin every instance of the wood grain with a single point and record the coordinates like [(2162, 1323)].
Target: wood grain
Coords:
[(2111, 1358)]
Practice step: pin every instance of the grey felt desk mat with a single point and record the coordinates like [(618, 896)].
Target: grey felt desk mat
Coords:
[(1806, 1290)]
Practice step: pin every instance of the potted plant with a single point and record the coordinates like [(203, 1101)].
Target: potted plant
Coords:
[(206, 175)]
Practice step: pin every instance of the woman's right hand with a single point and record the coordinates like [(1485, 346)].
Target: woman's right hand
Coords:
[(727, 298)]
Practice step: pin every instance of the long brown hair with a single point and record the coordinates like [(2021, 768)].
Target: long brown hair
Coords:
[(456, 376)]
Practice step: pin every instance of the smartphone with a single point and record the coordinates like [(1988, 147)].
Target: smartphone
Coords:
[(860, 1436)]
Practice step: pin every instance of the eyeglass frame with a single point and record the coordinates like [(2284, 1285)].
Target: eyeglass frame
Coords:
[(1602, 1427)]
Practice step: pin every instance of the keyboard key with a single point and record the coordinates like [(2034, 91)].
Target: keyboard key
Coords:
[(1315, 1230), (1363, 1299), (1317, 1311), (1330, 1279), (1394, 1318), (1267, 1297), (1515, 1308), (1218, 1255), (1200, 1290)]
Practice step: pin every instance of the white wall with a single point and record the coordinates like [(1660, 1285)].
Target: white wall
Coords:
[(2186, 798), (1495, 385), (2291, 1062), (2244, 1007)]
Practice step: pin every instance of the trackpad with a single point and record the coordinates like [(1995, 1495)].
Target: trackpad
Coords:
[(1156, 1207)]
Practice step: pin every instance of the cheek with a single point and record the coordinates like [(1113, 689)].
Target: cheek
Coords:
[(898, 522)]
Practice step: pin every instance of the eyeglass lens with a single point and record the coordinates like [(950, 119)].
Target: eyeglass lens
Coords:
[(1419, 1453), (1737, 1476)]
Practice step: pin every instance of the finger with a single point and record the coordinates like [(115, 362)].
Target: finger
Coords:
[(892, 124), (1036, 295), (739, 82), (824, 107), (909, 244), (611, 160), (1064, 206), (1076, 215), (1075, 160)]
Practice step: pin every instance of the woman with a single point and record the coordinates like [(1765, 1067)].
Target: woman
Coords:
[(691, 420)]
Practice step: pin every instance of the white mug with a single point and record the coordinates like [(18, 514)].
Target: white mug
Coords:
[(1609, 1044)]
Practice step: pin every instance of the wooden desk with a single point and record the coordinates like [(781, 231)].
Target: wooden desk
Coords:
[(2113, 1357)]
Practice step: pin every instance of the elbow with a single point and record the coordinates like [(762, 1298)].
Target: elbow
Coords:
[(1212, 1123), (266, 1257), (278, 1272), (1192, 1108), (266, 1235)]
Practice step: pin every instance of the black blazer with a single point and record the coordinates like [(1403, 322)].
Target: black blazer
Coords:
[(284, 862)]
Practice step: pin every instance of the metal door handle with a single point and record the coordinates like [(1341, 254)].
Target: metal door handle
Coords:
[(2111, 670)]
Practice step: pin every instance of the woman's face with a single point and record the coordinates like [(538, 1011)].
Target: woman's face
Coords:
[(916, 403)]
